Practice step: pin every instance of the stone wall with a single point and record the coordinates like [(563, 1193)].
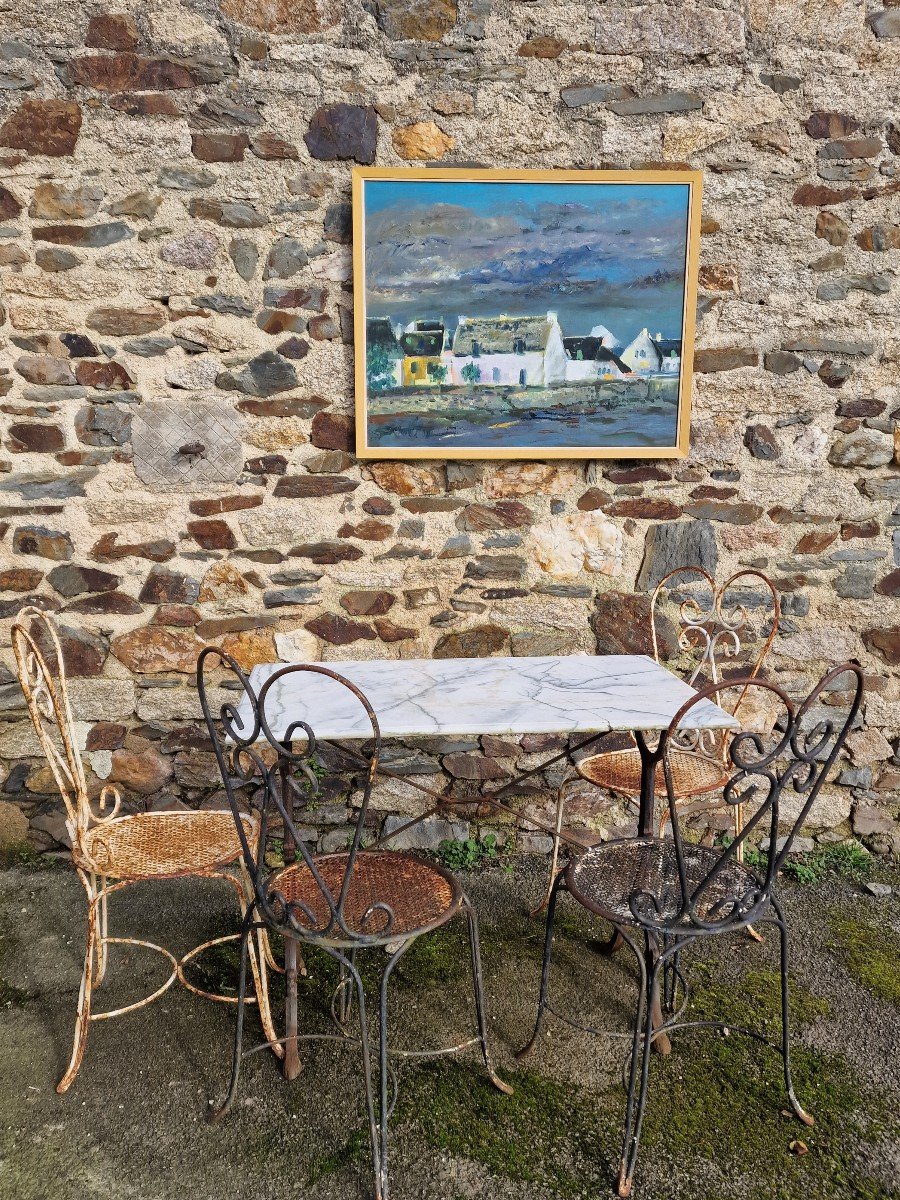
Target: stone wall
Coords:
[(176, 271)]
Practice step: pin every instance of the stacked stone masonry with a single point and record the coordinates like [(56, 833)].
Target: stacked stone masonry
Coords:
[(176, 262)]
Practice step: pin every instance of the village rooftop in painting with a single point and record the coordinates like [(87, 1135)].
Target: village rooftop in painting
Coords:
[(524, 313)]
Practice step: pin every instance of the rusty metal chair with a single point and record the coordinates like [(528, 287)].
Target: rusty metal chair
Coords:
[(666, 894), (710, 626), (112, 851), (340, 903)]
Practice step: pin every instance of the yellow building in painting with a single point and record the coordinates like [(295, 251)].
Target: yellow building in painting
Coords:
[(423, 345)]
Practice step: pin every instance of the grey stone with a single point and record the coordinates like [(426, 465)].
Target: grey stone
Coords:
[(49, 487), (829, 345), (338, 225), (93, 236), (856, 777), (265, 375), (55, 258), (672, 544), (880, 890), (496, 566), (402, 761), (185, 179), (245, 255), (290, 596), (665, 102), (425, 835), (343, 131), (160, 431), (885, 23), (839, 289), (779, 362), (237, 306), (856, 583), (103, 425), (862, 448), (529, 643), (780, 83), (286, 258), (459, 546), (150, 346), (581, 95), (690, 30), (800, 845)]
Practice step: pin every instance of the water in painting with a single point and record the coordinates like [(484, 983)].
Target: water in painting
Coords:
[(515, 314)]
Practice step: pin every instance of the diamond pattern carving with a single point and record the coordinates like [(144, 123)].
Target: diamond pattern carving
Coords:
[(187, 446)]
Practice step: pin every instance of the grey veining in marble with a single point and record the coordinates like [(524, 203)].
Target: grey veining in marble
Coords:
[(464, 697)]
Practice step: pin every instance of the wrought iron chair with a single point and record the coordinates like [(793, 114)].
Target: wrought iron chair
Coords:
[(714, 624), (340, 903), (112, 851), (665, 894)]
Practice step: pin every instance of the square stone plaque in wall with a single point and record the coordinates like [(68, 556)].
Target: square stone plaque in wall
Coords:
[(186, 445)]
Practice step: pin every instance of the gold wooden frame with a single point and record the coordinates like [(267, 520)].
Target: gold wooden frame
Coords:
[(694, 180)]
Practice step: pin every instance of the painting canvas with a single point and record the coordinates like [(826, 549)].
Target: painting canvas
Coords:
[(526, 314)]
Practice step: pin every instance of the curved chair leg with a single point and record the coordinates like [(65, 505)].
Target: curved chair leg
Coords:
[(640, 1048), (480, 1007), (799, 1111), (83, 1012), (224, 1108), (554, 857), (558, 883)]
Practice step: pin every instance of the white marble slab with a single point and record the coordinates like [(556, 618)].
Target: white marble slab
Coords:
[(465, 697)]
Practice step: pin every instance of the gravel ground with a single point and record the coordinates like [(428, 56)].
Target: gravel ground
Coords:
[(134, 1123)]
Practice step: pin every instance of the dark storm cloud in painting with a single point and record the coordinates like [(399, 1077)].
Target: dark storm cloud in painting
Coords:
[(596, 253)]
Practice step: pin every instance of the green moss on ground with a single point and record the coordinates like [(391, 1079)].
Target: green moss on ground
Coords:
[(871, 955), (21, 855)]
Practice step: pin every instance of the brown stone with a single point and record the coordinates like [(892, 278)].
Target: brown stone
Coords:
[(880, 237), (741, 513), (815, 541), (728, 358), (282, 16), (367, 604), (9, 205), (48, 127), (126, 72), (408, 479), (326, 553), (44, 369), (621, 625), (859, 529), (332, 431), (212, 534), (106, 549), (104, 376), (342, 131), (529, 478), (645, 509), (52, 201), (219, 147), (20, 579), (339, 631), (12, 256), (322, 328), (378, 506), (505, 514), (817, 195), (542, 47), (144, 772), (25, 437), (251, 648), (223, 504), (116, 604), (111, 31), (481, 641), (429, 504), (832, 228), (389, 632), (890, 584), (473, 766), (84, 653), (593, 499), (858, 147), (45, 543), (155, 649), (821, 124), (169, 587), (274, 321), (125, 322), (146, 104), (884, 642), (297, 487), (284, 406), (422, 140), (182, 616), (368, 531), (416, 20), (719, 277), (105, 735), (272, 147)]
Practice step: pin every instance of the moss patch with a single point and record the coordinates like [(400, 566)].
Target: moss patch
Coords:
[(872, 956), (12, 997), (21, 855)]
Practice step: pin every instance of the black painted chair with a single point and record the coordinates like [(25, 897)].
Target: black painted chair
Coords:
[(341, 903), (664, 894)]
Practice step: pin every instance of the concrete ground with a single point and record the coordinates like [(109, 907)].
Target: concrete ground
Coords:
[(134, 1123)]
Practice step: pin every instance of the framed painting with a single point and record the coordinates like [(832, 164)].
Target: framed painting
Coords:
[(524, 314)]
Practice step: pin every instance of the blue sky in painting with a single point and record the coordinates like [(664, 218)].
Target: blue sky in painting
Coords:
[(604, 253)]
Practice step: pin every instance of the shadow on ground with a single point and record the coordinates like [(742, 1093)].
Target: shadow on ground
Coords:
[(134, 1123)]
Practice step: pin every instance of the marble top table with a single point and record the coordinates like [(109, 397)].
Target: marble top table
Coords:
[(468, 697)]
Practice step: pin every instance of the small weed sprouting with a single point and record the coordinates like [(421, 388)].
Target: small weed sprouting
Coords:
[(469, 854)]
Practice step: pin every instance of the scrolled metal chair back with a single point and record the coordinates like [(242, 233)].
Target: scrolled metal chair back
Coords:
[(42, 676), (791, 750), (717, 624), (282, 769)]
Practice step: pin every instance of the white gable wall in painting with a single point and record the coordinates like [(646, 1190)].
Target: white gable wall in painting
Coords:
[(508, 351)]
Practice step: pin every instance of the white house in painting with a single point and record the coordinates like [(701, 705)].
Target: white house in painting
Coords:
[(607, 338), (648, 355), (509, 351), (588, 359)]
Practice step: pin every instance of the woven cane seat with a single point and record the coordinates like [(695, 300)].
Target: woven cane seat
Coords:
[(605, 878), (419, 894), (163, 844), (620, 771)]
